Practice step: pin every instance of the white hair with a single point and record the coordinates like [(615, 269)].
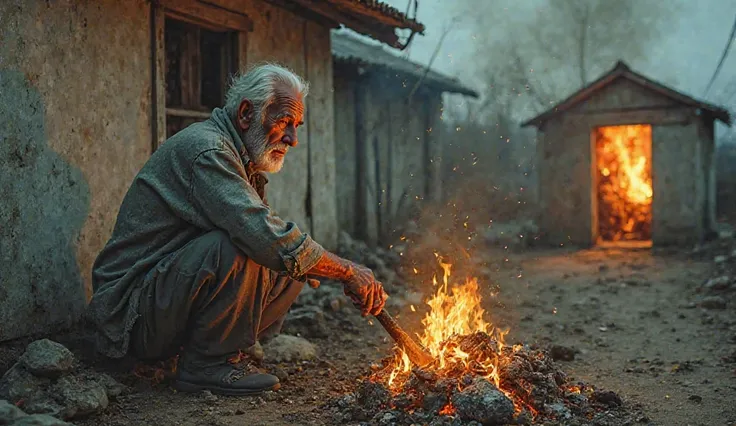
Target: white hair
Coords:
[(258, 85)]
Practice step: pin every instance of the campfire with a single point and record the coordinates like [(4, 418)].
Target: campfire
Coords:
[(623, 157), (475, 375)]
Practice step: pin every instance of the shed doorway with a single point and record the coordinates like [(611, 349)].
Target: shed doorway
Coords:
[(622, 213)]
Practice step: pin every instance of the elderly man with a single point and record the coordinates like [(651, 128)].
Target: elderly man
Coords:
[(198, 265)]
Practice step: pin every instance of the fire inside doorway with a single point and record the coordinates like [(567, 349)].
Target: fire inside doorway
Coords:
[(623, 184)]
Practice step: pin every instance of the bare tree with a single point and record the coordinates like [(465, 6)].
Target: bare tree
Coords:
[(541, 51)]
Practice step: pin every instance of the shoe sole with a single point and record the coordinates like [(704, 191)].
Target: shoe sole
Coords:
[(194, 388)]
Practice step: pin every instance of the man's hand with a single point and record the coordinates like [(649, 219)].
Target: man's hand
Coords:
[(360, 285), (367, 293)]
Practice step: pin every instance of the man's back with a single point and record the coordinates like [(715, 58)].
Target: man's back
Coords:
[(157, 217)]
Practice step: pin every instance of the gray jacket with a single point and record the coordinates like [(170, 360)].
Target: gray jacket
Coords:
[(199, 180)]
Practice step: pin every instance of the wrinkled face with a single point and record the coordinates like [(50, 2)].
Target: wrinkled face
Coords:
[(268, 140)]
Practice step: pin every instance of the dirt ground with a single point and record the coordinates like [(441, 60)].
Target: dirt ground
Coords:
[(629, 314)]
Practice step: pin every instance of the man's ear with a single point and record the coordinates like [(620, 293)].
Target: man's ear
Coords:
[(245, 114)]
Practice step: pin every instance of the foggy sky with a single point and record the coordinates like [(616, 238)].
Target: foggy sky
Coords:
[(686, 60)]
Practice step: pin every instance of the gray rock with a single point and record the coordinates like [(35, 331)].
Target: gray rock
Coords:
[(720, 259), (307, 321), (79, 398), (558, 410), (44, 404), (9, 412), (47, 358), (718, 283), (286, 348), (484, 403), (434, 402), (713, 302), (40, 420), (112, 386), (18, 383)]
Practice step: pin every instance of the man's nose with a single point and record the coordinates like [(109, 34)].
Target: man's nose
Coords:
[(290, 139)]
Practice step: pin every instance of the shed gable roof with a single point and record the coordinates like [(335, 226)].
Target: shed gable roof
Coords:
[(349, 49), (621, 70)]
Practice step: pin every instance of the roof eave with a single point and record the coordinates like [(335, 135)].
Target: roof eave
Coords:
[(454, 88), (375, 20)]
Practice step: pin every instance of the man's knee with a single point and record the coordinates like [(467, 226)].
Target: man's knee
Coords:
[(213, 251)]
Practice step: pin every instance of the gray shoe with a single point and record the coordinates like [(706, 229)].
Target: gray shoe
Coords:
[(224, 379)]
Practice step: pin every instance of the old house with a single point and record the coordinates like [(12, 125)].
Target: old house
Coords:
[(386, 108), (88, 90), (627, 160)]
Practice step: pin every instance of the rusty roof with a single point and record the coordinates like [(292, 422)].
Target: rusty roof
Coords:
[(621, 70), (349, 49), (373, 18)]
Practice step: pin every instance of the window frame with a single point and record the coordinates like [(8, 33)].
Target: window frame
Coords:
[(213, 17)]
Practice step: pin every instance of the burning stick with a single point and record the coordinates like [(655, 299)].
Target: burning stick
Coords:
[(416, 353)]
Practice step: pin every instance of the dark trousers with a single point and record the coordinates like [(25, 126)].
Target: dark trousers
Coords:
[(211, 300)]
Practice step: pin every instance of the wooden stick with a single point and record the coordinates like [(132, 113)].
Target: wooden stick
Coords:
[(416, 353)]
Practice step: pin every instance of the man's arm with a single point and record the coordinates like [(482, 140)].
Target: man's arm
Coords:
[(222, 194), (360, 283)]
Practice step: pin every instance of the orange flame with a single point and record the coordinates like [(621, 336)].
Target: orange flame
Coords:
[(623, 156), (453, 311)]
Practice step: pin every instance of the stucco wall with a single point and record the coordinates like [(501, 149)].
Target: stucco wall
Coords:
[(75, 112), (679, 144)]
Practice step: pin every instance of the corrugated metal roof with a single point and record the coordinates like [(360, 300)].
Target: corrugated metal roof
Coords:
[(348, 48)]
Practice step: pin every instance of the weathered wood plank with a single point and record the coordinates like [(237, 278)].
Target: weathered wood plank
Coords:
[(346, 154), (321, 122), (207, 15)]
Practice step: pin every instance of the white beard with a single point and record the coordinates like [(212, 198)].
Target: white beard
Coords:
[(260, 151)]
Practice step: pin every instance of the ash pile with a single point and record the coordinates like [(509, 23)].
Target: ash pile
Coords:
[(529, 389)]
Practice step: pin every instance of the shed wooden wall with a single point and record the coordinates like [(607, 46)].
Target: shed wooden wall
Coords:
[(681, 143), (387, 155)]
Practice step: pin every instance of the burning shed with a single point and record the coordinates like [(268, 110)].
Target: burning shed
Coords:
[(627, 160), (386, 108)]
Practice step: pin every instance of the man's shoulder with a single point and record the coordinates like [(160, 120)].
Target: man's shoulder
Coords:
[(197, 138)]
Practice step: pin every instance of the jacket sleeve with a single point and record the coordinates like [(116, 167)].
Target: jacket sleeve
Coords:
[(221, 192)]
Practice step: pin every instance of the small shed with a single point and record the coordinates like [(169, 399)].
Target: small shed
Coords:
[(388, 150), (627, 160)]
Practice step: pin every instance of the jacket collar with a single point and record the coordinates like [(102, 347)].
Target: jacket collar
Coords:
[(225, 123)]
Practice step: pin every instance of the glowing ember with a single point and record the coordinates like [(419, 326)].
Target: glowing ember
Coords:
[(475, 377), (623, 157), (459, 339)]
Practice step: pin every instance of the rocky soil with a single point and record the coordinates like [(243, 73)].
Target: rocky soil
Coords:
[(656, 328)]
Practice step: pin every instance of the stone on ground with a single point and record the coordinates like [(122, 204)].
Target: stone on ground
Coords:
[(286, 348), (79, 398), (47, 358), (44, 382), (9, 412), (307, 321), (484, 403), (14, 416), (18, 383)]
